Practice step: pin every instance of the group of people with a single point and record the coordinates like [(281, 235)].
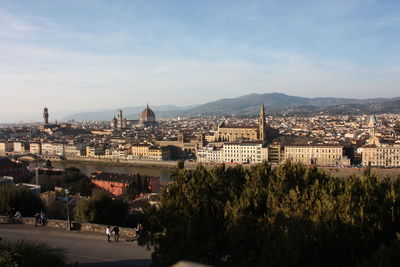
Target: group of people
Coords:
[(40, 219), (109, 232), (139, 232)]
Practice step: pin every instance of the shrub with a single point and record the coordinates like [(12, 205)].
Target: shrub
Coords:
[(30, 254)]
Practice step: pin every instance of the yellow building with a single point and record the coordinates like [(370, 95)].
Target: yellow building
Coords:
[(6, 147), (149, 152), (276, 153), (95, 151), (35, 148)]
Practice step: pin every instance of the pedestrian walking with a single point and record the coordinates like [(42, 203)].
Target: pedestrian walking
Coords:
[(37, 218), (116, 233), (18, 215), (108, 233), (43, 218)]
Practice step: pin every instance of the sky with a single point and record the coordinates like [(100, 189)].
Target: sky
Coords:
[(93, 55)]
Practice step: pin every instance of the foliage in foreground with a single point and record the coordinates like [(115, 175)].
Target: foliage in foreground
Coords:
[(30, 254), (16, 198), (101, 208), (288, 216), (138, 185)]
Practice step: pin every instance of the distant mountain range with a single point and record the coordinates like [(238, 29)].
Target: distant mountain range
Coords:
[(275, 103), (129, 112)]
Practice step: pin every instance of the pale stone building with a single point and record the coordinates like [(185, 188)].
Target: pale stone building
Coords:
[(381, 155), (53, 149), (244, 152), (6, 147), (210, 154), (19, 147), (35, 148), (75, 150), (316, 154)]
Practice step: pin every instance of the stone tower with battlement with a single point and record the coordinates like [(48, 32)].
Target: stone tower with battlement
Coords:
[(46, 116), (262, 124)]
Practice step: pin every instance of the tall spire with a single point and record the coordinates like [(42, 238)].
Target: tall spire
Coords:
[(262, 124)]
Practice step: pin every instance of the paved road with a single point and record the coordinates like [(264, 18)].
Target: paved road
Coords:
[(86, 249)]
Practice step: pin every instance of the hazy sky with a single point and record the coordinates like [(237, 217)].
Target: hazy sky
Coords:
[(87, 55)]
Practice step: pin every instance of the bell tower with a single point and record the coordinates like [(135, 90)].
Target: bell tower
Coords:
[(262, 124), (46, 116)]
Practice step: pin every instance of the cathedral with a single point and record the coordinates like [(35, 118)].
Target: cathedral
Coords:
[(234, 133), (148, 118)]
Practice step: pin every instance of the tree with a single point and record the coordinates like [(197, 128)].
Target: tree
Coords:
[(138, 185), (291, 215), (17, 198), (101, 208)]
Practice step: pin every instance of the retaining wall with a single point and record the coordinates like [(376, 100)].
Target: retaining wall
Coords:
[(83, 227)]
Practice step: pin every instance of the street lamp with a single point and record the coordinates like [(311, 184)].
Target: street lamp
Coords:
[(68, 222)]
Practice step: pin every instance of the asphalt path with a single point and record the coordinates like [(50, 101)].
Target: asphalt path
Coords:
[(82, 248)]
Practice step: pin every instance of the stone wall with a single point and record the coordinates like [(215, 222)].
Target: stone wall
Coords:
[(83, 227)]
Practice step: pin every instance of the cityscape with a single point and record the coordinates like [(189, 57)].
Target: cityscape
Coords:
[(341, 141), (205, 133)]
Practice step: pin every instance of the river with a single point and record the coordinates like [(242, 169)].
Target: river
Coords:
[(89, 167)]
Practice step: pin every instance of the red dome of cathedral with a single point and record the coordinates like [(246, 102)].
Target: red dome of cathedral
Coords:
[(147, 115)]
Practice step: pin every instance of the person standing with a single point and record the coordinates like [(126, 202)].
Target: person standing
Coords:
[(116, 233), (139, 230), (108, 233)]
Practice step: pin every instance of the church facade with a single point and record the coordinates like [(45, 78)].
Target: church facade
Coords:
[(234, 133)]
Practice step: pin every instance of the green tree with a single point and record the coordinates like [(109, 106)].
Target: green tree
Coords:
[(138, 185), (291, 215), (101, 208), (19, 198)]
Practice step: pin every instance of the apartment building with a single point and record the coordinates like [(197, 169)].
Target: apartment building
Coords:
[(53, 149), (276, 153), (95, 151), (20, 147), (245, 152), (381, 155), (35, 148), (210, 154), (75, 150), (316, 154), (6, 147), (149, 152)]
